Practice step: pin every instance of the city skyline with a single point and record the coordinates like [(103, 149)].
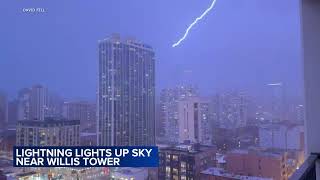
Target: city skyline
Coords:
[(226, 103)]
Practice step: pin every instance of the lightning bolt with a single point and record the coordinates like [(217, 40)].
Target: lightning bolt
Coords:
[(194, 23)]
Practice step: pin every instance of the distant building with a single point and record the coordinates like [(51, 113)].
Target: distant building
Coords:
[(169, 115), (257, 163), (13, 113), (126, 95), (54, 106), (276, 102), (262, 116), (185, 161), (49, 132), (24, 96), (83, 111), (282, 136), (32, 103), (244, 137), (230, 110), (3, 111), (38, 102), (88, 139), (193, 121), (300, 114)]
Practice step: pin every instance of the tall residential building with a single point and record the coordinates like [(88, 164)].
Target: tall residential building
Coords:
[(83, 111), (300, 114), (38, 102), (276, 101), (33, 103), (126, 95), (193, 121), (230, 110), (54, 106), (48, 132), (3, 110), (169, 116), (24, 104)]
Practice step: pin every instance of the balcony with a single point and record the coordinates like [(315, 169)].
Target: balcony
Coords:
[(308, 170)]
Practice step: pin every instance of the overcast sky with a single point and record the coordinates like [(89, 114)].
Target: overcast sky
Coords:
[(239, 44)]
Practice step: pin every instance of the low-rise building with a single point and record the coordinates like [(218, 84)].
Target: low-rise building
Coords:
[(259, 163), (49, 132), (185, 161)]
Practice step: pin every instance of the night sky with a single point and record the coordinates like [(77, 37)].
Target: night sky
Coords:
[(241, 44)]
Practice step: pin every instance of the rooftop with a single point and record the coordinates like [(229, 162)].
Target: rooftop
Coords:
[(259, 151), (189, 148), (223, 173), (116, 38)]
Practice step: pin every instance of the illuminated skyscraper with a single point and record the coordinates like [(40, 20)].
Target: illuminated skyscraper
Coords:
[(126, 94)]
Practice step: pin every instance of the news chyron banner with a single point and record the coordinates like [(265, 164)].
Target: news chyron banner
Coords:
[(79, 156)]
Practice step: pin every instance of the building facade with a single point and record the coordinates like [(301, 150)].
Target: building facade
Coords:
[(193, 121), (169, 115), (32, 103), (230, 109), (257, 163), (83, 111), (38, 102), (276, 102), (126, 94), (184, 162), (49, 132)]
